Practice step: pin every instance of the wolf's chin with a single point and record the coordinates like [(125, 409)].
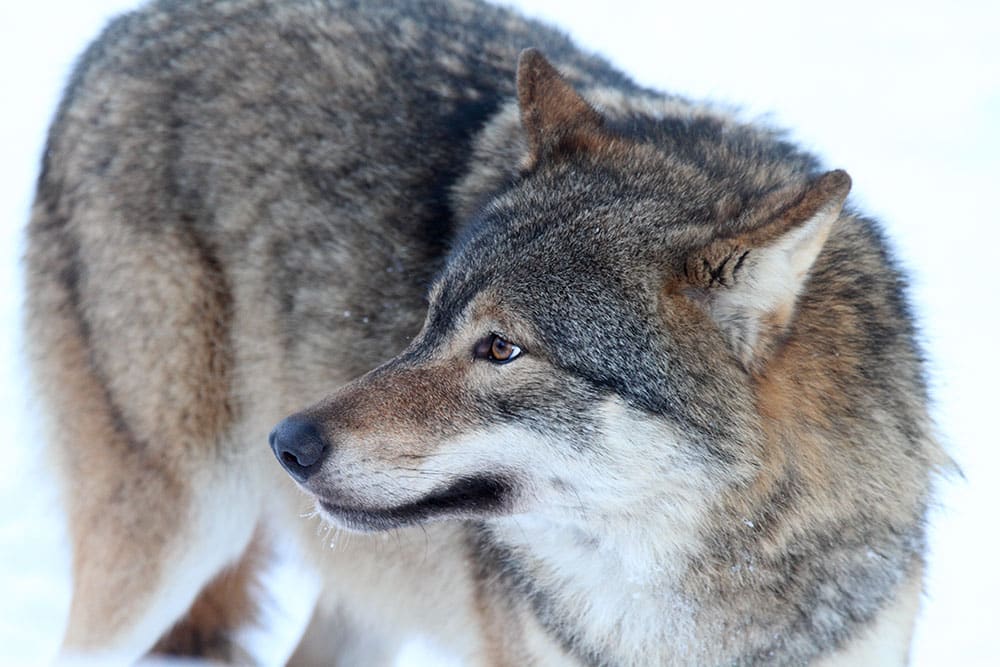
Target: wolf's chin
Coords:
[(466, 498)]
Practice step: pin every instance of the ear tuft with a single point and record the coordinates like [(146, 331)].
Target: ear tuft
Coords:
[(554, 116), (749, 283)]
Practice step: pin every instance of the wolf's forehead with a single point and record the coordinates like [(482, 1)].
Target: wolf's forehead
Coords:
[(588, 229), (545, 287), (568, 252), (651, 205)]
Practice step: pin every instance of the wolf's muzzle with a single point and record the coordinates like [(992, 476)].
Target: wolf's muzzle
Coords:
[(299, 447)]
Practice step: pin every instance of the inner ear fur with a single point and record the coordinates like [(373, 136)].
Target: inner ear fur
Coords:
[(749, 283), (555, 117)]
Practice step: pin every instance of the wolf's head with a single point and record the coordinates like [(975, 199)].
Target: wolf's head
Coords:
[(593, 341)]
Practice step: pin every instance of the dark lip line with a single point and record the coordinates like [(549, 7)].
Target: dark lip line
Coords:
[(366, 521), (467, 497)]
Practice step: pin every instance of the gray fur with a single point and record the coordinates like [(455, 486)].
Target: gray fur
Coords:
[(245, 205)]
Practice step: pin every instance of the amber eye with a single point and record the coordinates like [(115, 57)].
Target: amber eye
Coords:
[(496, 349)]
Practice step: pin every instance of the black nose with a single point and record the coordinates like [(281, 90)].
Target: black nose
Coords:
[(299, 447)]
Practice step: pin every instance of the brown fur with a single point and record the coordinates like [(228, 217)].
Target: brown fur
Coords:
[(103, 473)]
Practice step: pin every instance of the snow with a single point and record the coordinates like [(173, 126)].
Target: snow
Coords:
[(904, 95)]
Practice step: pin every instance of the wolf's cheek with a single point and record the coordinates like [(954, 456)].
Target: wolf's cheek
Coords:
[(632, 462)]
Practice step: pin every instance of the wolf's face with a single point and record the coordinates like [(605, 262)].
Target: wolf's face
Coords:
[(589, 349)]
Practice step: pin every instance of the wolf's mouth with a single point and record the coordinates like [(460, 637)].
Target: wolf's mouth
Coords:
[(467, 497)]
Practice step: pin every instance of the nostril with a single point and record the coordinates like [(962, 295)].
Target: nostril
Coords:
[(298, 446)]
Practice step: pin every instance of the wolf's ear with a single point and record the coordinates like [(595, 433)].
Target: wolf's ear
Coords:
[(748, 283), (554, 116)]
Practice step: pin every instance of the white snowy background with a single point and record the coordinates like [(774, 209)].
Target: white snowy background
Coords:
[(904, 95)]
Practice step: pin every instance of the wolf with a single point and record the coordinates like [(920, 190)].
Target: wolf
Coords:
[(576, 372)]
